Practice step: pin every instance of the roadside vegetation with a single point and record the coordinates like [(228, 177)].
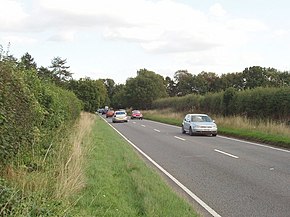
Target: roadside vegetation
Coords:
[(266, 131)]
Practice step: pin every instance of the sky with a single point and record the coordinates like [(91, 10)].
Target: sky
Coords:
[(116, 38)]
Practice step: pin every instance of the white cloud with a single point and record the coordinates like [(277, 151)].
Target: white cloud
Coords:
[(12, 15), (217, 10), (65, 35)]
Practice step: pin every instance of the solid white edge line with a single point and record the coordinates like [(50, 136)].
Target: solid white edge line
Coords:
[(225, 153), (233, 139), (179, 138), (157, 130), (256, 144), (192, 195)]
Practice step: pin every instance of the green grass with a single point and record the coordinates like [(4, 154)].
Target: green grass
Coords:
[(119, 183), (258, 136), (266, 132)]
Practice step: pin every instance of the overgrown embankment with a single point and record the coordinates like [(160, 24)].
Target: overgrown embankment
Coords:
[(35, 115)]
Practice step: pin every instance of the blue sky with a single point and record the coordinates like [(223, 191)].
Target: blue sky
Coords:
[(114, 38)]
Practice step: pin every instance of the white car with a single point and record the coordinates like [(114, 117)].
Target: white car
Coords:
[(199, 124), (120, 116)]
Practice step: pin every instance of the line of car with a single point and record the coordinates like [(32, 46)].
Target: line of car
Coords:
[(193, 124), (120, 115)]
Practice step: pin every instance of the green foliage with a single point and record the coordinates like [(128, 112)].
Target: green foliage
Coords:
[(118, 99), (228, 99), (30, 110), (93, 93), (142, 90), (258, 103), (20, 112)]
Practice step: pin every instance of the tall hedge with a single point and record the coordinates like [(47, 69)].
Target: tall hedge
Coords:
[(30, 110), (272, 103)]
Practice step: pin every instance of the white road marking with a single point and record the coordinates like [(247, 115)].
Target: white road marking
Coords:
[(179, 138), (143, 125), (134, 122), (192, 195), (237, 140), (225, 153), (157, 130), (256, 144)]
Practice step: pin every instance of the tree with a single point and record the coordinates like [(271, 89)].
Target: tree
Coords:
[(27, 62), (255, 76), (118, 99), (93, 93), (110, 85), (146, 87), (184, 82), (60, 71), (170, 87), (44, 73)]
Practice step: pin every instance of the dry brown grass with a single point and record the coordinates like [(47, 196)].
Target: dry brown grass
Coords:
[(71, 174), (166, 113), (267, 126)]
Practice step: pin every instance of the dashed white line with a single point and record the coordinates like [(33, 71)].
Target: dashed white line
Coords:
[(143, 125), (179, 138), (157, 130), (225, 153)]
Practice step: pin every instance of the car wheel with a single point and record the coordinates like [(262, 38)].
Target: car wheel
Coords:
[(190, 132), (182, 130), (213, 134)]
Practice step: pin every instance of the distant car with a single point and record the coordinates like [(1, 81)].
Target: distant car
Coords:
[(120, 116), (101, 110), (198, 124), (110, 113), (136, 114)]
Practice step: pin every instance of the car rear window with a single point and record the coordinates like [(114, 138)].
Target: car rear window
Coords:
[(120, 113)]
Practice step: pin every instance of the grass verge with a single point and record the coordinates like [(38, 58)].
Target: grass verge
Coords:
[(120, 184), (46, 190), (268, 132)]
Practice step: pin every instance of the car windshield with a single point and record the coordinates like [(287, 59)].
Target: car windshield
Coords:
[(200, 118), (120, 113), (136, 112)]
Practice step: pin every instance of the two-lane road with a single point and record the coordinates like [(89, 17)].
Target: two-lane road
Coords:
[(233, 177)]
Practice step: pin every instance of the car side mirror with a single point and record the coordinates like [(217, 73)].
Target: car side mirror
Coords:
[(213, 121)]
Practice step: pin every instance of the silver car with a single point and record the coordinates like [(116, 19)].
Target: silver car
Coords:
[(120, 116), (198, 124)]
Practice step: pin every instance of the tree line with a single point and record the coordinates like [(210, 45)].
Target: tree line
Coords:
[(141, 91)]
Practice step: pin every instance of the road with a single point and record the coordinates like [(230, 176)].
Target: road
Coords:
[(232, 177)]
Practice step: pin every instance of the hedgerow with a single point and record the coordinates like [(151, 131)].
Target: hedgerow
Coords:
[(260, 103), (34, 115)]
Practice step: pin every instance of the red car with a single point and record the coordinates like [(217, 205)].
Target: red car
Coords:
[(136, 114), (110, 113)]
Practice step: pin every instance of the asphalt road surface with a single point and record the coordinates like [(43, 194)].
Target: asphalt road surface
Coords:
[(232, 177)]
